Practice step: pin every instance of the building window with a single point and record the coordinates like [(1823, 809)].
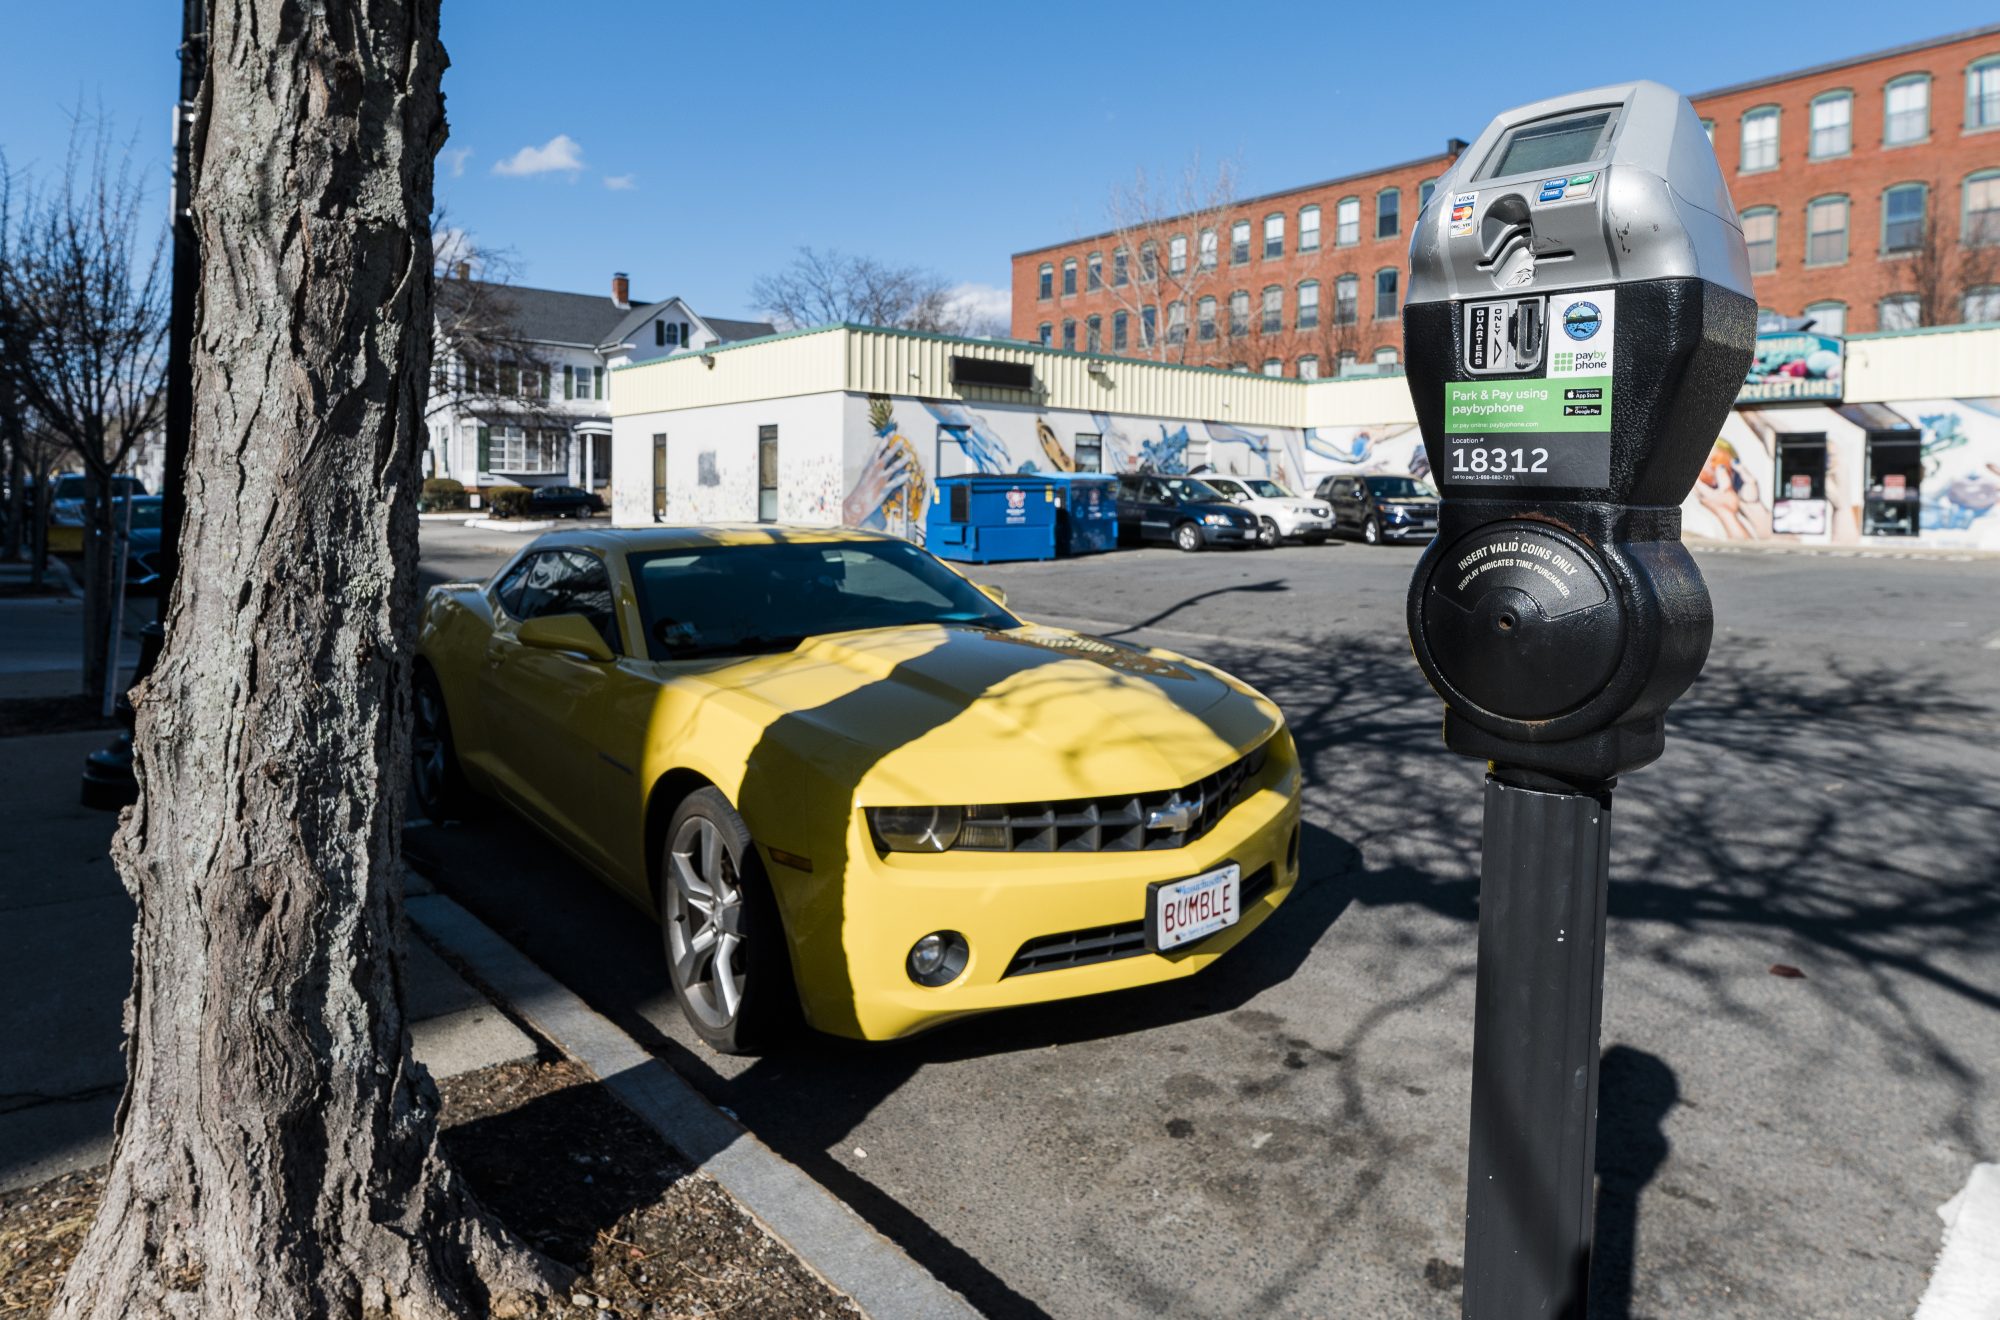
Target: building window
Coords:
[(1048, 334), (1120, 274), (1347, 300), (1309, 305), (1239, 313), (1982, 304), (1385, 357), (1770, 321), (1093, 272), (1903, 217), (1069, 277), (1386, 304), (1274, 367), (1089, 451), (1149, 262), (1177, 255), (1906, 110), (1708, 130), (1206, 250), (1760, 235), (767, 474), (518, 451), (1149, 326), (1204, 319), (1274, 310), (1828, 318), (1802, 465), (1982, 209), (1899, 311), (1069, 335), (1424, 192), (659, 476), (1388, 213), (1347, 222), (1176, 322), (673, 334), (1826, 231), (1760, 140), (1832, 126), (1343, 362), (1274, 236), (1308, 368), (1982, 94), (1046, 285), (1309, 229), (1239, 242), (1094, 334), (1121, 326)]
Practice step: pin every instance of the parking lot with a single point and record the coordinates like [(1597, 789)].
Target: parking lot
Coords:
[(1286, 1135)]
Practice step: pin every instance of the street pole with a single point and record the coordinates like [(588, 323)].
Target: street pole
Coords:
[(1537, 1008)]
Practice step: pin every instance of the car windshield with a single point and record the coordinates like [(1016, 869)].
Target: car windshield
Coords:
[(145, 515), (1400, 488), (742, 599), (1186, 489), (1268, 489)]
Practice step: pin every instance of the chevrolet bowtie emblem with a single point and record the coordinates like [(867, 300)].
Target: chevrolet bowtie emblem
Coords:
[(1177, 816)]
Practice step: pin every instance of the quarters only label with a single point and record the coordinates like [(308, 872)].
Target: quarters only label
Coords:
[(1549, 431)]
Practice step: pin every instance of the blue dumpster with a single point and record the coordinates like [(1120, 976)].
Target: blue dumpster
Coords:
[(983, 517), (1086, 512)]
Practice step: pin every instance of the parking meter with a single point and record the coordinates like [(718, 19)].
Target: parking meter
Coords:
[(1580, 318)]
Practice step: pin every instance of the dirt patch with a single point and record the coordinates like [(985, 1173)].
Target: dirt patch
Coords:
[(564, 1165), (24, 716)]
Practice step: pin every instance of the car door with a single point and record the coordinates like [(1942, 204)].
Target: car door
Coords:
[(1346, 508), (544, 710), (1158, 510)]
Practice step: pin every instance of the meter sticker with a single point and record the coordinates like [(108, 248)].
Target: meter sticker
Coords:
[(1554, 431), (1582, 327), (1461, 213)]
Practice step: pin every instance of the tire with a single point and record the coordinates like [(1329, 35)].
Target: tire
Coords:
[(1188, 537), (734, 986), (436, 778), (1268, 535), (1371, 531)]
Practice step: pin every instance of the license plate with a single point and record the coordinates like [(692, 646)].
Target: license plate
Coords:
[(1181, 911)]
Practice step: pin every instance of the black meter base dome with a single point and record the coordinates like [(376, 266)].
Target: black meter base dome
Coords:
[(1590, 759)]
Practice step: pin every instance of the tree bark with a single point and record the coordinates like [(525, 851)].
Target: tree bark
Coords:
[(276, 1147)]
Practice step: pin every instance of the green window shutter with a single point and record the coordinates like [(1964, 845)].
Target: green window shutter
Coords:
[(485, 449), (569, 382), (597, 382)]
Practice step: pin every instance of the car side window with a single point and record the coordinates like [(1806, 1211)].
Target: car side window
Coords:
[(508, 592), (567, 582)]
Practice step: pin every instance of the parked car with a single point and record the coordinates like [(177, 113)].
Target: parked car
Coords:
[(66, 512), (1184, 510), (1379, 509), (142, 551), (848, 781), (563, 502), (1281, 514)]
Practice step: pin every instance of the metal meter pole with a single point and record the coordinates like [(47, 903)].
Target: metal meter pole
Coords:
[(1537, 1010)]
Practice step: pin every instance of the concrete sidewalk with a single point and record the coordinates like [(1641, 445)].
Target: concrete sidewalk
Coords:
[(66, 964), (41, 637)]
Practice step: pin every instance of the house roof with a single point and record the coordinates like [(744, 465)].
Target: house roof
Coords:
[(543, 315), (726, 330), (732, 332)]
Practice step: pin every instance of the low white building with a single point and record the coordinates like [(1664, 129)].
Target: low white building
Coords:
[(519, 383)]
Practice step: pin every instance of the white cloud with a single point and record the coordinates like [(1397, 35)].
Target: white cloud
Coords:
[(987, 304), (560, 154), (449, 246), (455, 158), (621, 182)]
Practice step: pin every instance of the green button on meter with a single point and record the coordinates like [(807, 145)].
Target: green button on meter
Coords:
[(1577, 180)]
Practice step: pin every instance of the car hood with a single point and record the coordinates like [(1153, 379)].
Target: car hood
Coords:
[(939, 713)]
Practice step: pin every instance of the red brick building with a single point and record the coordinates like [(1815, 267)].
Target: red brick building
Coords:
[(1869, 191)]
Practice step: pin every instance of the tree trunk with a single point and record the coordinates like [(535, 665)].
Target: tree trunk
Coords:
[(276, 1147)]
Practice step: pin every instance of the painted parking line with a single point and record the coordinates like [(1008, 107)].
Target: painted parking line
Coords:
[(1965, 1284)]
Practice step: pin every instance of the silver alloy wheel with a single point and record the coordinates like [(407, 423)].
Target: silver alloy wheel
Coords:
[(705, 922), (1270, 535), (427, 747), (1371, 531), (1188, 537)]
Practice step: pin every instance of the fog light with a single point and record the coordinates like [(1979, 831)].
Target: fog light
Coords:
[(937, 958)]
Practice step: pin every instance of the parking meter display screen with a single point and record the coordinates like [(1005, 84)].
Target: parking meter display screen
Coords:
[(1554, 144)]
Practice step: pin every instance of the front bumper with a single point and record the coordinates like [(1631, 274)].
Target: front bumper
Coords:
[(1305, 525), (1230, 535), (1002, 903), (1404, 531)]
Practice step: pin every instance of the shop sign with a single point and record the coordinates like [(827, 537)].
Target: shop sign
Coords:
[(1794, 367), (1895, 486)]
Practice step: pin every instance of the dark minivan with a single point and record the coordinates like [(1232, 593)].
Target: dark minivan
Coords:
[(1379, 509), (1185, 510)]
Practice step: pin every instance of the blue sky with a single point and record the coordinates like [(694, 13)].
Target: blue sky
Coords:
[(696, 145)]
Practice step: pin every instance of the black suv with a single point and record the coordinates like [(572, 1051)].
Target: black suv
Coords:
[(1185, 510), (563, 502), (1379, 509)]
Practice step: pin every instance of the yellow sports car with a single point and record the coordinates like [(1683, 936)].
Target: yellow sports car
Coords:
[(848, 781)]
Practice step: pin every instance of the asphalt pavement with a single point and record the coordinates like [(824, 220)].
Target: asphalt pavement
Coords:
[(1285, 1135)]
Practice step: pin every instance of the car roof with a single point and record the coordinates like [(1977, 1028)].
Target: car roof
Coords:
[(625, 540)]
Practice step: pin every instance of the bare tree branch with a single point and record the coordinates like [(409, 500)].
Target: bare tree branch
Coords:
[(825, 287), (1171, 238)]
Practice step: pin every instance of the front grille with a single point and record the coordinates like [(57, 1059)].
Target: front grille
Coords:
[(1080, 948), (1113, 824)]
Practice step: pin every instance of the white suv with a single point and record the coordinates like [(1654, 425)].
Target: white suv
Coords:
[(1281, 515)]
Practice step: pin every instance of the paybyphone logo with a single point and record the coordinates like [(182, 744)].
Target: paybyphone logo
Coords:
[(1582, 320)]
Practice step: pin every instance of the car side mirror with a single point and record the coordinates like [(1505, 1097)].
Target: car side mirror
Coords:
[(565, 632), (998, 595)]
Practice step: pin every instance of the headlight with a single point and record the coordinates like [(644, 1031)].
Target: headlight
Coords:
[(1217, 519), (1321, 511), (916, 829)]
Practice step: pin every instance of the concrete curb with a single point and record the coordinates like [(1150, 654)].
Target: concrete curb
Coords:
[(519, 526), (825, 1233), (1949, 554)]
